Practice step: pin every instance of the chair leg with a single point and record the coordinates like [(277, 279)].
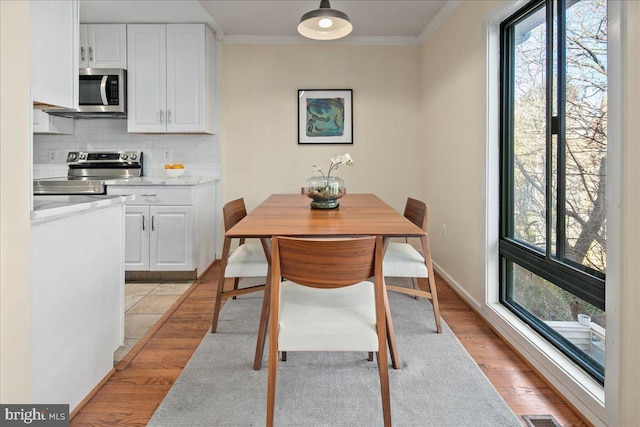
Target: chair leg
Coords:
[(414, 282), (219, 291), (236, 280)]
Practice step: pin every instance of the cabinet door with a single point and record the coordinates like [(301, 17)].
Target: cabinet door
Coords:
[(185, 78), (136, 232), (171, 242), (146, 78), (54, 59), (107, 45)]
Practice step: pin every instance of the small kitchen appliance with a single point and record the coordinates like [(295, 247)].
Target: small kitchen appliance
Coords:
[(88, 171), (102, 93)]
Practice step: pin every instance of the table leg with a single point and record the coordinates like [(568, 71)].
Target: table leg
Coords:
[(264, 324), (391, 336), (223, 266)]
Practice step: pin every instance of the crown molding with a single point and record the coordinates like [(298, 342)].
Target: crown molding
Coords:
[(349, 40), (437, 20)]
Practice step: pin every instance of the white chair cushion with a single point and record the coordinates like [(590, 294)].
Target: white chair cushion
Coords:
[(340, 319), (248, 260), (403, 260)]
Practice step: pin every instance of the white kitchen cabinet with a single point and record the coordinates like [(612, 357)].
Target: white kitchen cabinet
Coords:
[(159, 238), (103, 46), (136, 228), (169, 228), (45, 123), (54, 63), (171, 78)]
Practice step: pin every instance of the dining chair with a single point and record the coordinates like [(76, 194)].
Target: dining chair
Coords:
[(402, 259), (247, 260), (321, 300)]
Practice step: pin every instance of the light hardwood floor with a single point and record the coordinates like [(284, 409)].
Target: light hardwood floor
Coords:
[(130, 396)]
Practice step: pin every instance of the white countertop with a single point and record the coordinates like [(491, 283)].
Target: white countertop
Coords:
[(162, 180), (56, 207)]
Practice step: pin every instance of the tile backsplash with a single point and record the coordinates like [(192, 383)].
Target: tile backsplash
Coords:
[(200, 154)]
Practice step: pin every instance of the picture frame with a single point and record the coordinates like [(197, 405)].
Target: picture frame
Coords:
[(325, 116)]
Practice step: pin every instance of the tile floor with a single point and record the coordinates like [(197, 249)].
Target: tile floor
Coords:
[(144, 305)]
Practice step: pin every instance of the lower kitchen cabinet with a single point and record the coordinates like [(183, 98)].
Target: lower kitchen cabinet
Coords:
[(159, 238), (169, 227)]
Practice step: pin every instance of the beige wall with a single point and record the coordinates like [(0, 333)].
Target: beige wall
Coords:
[(260, 154), (15, 195), (453, 114), (453, 122)]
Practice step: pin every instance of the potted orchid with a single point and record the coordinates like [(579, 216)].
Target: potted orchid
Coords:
[(325, 190)]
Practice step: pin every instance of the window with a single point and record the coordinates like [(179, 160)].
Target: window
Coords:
[(553, 173)]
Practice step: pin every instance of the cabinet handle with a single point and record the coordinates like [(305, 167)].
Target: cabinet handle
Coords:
[(161, 116), (168, 116), (82, 57), (91, 54), (153, 223), (148, 195), (144, 222)]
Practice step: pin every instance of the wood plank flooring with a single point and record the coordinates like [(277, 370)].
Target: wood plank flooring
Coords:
[(130, 397)]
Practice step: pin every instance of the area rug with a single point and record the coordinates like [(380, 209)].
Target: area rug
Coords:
[(438, 384)]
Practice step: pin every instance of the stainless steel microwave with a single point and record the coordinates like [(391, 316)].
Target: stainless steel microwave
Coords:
[(102, 93), (103, 90)]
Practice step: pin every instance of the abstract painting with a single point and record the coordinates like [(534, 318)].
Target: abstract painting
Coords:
[(325, 116)]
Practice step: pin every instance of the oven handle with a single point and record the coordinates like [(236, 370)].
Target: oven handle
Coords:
[(103, 90)]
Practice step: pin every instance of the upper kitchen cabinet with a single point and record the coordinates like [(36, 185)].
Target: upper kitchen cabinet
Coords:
[(171, 78), (103, 46), (54, 63)]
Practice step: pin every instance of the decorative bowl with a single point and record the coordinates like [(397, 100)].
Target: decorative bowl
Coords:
[(174, 173)]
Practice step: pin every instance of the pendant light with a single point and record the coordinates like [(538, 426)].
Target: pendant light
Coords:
[(324, 23)]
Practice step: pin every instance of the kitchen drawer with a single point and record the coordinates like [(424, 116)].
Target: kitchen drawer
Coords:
[(154, 195)]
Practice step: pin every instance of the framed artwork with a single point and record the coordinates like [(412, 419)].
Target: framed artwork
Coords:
[(325, 116)]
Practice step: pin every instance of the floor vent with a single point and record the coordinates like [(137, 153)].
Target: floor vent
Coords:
[(540, 421)]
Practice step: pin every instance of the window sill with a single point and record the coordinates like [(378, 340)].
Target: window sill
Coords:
[(578, 388)]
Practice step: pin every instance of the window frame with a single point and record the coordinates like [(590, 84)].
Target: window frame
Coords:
[(581, 281)]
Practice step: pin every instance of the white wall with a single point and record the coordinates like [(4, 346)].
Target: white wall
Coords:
[(454, 130), (199, 153), (259, 145), (15, 199)]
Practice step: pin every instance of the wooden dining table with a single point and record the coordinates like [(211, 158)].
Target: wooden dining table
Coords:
[(357, 215)]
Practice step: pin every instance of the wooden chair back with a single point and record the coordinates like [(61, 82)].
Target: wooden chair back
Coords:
[(233, 212), (325, 262), (417, 212)]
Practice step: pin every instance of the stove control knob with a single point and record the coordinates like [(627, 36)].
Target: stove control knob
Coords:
[(71, 157), (83, 156), (134, 156), (125, 156)]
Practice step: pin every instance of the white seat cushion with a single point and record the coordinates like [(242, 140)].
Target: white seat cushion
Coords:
[(403, 260), (340, 319), (247, 260)]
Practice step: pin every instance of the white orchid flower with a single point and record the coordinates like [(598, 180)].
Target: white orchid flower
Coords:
[(336, 161)]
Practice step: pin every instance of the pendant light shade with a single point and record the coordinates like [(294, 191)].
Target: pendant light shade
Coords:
[(324, 23)]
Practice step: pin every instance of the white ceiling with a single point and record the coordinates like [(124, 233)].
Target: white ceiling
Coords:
[(270, 18)]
